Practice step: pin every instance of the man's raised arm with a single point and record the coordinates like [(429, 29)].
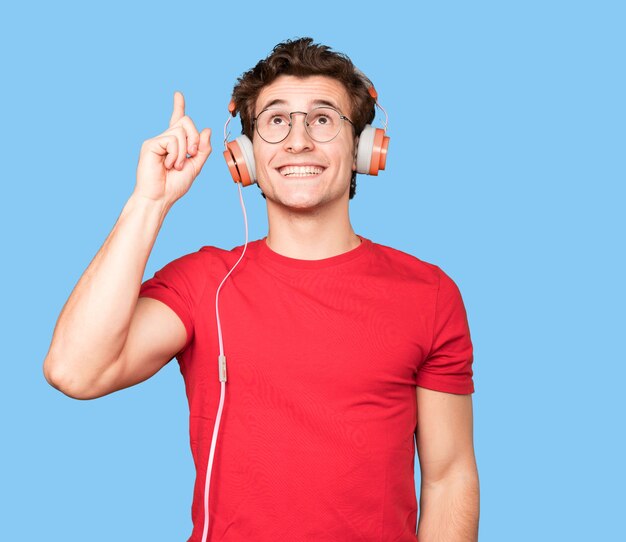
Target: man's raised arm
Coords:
[(85, 359)]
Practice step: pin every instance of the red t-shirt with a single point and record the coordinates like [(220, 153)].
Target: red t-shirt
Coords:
[(316, 441)]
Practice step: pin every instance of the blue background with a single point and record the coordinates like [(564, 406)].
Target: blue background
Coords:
[(506, 169)]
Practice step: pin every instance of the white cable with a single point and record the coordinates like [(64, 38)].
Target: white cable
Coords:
[(385, 112), (222, 376), (226, 134)]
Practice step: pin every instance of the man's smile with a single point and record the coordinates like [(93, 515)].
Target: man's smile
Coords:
[(307, 170)]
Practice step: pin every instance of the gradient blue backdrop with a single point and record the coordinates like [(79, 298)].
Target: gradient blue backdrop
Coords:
[(506, 168)]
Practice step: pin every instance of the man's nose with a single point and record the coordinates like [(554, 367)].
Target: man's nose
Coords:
[(298, 138)]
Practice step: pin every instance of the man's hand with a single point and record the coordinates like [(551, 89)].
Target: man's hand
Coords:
[(169, 162)]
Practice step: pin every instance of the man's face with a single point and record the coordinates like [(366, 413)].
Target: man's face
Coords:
[(278, 164)]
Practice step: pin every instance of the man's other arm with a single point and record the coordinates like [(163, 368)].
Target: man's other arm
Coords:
[(449, 497)]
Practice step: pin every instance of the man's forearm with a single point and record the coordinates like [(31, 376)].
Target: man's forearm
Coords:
[(449, 510)]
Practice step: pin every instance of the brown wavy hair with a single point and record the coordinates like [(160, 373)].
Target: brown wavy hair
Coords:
[(302, 58)]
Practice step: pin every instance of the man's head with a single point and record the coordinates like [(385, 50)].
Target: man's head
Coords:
[(302, 58)]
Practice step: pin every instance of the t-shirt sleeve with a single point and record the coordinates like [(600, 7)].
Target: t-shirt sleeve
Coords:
[(180, 285), (448, 365)]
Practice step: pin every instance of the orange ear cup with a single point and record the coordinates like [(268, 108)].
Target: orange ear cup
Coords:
[(239, 155), (379, 152), (232, 166), (235, 155)]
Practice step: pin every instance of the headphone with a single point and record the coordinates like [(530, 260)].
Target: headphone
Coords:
[(371, 155)]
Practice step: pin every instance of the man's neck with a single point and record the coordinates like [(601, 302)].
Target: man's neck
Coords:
[(310, 235)]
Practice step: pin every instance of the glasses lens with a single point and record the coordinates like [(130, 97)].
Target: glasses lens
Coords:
[(323, 123), (273, 125)]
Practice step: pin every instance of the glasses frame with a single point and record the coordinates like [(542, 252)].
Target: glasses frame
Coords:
[(306, 124)]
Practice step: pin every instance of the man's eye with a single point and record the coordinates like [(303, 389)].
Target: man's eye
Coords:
[(277, 120), (321, 119)]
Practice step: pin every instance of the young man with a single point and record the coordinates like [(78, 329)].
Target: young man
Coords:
[(342, 354)]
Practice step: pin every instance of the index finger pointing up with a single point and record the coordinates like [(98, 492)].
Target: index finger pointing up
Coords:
[(179, 108)]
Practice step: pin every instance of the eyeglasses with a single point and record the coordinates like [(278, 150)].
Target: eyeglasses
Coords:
[(323, 124)]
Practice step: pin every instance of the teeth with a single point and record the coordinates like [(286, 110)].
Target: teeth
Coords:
[(300, 171)]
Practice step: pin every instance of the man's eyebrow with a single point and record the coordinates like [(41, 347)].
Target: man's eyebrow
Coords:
[(318, 103), (273, 102)]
